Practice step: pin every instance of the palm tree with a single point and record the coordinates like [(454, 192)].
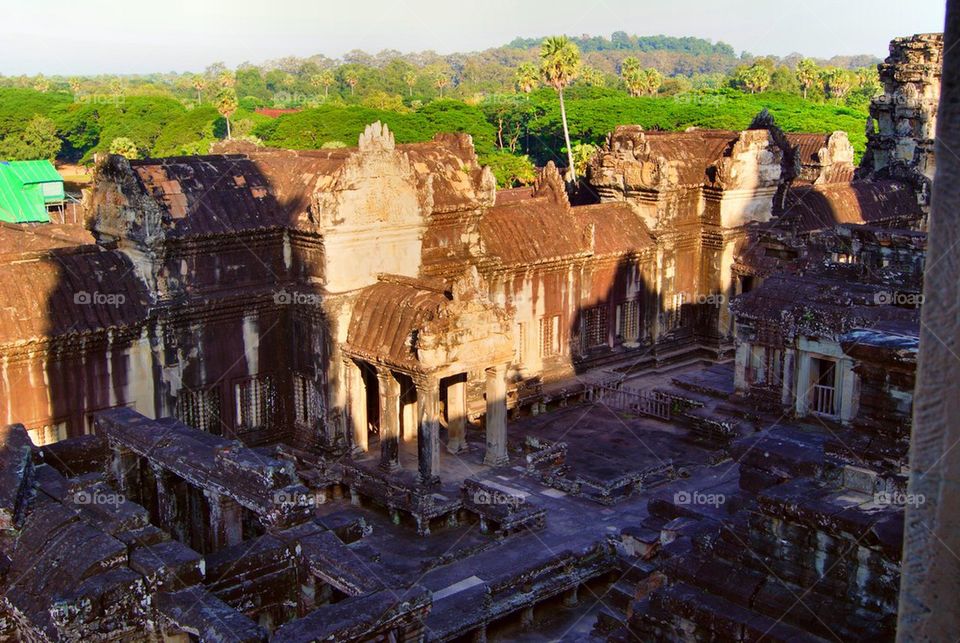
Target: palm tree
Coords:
[(807, 74), (755, 78), (198, 84), (653, 81), (75, 85), (592, 77), (633, 76), (410, 78), (351, 79), (527, 76), (227, 104), (326, 79), (838, 83), (441, 81), (314, 81), (226, 79), (559, 64)]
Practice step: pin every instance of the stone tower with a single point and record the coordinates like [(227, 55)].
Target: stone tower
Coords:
[(903, 119)]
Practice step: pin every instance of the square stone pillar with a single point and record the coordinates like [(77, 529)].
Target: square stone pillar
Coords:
[(428, 431), (802, 386), (125, 471), (357, 406), (496, 420), (789, 376), (389, 419), (170, 506), (847, 390), (411, 423), (741, 364), (226, 521), (457, 415)]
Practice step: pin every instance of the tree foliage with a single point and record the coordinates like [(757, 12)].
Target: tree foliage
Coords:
[(559, 66), (124, 147), (498, 96), (38, 140)]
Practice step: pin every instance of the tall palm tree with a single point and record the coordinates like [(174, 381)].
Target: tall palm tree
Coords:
[(441, 81), (198, 84), (326, 79), (807, 74), (351, 79), (410, 79), (653, 81), (315, 81), (227, 105), (559, 64), (633, 76), (592, 77), (838, 83), (527, 76)]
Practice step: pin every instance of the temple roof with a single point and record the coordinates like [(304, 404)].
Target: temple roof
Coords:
[(690, 153), (386, 318), (531, 231), (67, 293), (249, 188), (429, 326), (215, 194), (820, 306), (816, 207)]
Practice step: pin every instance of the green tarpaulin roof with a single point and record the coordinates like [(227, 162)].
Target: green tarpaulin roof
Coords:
[(25, 189)]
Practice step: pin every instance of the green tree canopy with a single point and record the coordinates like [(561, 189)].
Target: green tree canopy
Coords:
[(38, 140), (124, 147)]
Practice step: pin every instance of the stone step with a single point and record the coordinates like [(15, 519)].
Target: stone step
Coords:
[(621, 594), (609, 620)]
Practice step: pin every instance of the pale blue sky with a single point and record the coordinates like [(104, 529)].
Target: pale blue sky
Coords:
[(112, 36)]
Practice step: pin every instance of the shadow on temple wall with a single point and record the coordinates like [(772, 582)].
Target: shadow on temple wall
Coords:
[(806, 208), (618, 320), (227, 332)]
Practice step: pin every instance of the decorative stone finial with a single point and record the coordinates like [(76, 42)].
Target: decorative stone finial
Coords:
[(550, 184), (377, 137)]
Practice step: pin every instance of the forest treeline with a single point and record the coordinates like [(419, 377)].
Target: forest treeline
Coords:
[(500, 96)]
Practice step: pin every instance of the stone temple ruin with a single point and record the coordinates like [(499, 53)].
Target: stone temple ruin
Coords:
[(361, 395)]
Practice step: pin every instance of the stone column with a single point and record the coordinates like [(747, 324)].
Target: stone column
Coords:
[(496, 420), (169, 506), (741, 365), (847, 390), (929, 584), (125, 471), (166, 502), (789, 376), (357, 392), (226, 521), (410, 420), (457, 415), (428, 430), (802, 386), (389, 420)]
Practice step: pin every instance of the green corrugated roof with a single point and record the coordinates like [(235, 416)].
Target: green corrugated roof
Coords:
[(20, 202), (32, 172), (35, 171)]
